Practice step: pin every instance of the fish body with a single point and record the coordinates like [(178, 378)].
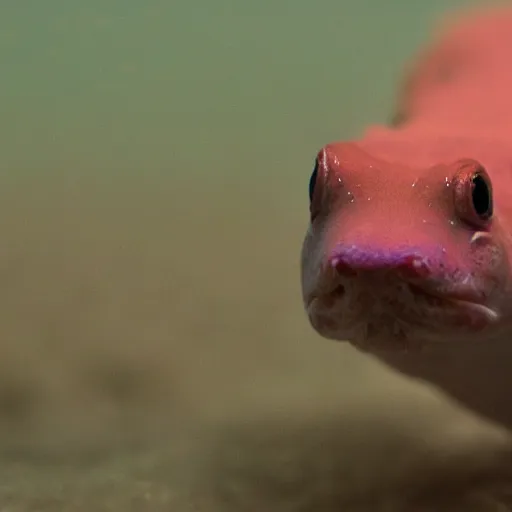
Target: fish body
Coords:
[(408, 254)]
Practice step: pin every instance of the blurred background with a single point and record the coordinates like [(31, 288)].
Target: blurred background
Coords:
[(153, 198)]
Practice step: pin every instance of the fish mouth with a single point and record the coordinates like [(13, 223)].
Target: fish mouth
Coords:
[(464, 305), (465, 302)]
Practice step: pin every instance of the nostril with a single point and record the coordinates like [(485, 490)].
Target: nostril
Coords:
[(342, 267), (414, 267)]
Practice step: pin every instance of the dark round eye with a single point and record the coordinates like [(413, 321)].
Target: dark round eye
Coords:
[(312, 181), (481, 196), (472, 189)]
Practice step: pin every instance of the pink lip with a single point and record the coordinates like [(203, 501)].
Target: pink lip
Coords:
[(461, 300)]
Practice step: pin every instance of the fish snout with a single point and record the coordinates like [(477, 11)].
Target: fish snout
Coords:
[(408, 263)]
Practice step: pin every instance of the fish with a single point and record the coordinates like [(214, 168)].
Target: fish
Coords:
[(408, 251)]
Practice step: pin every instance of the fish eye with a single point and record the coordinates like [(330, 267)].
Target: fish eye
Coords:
[(473, 194), (481, 196), (312, 181)]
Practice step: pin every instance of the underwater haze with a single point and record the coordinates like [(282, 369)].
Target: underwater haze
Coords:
[(153, 199)]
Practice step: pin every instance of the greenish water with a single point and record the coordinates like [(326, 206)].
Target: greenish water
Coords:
[(195, 87)]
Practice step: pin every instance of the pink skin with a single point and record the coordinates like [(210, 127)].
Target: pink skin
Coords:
[(401, 259)]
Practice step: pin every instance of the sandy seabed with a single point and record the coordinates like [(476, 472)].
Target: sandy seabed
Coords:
[(155, 356)]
